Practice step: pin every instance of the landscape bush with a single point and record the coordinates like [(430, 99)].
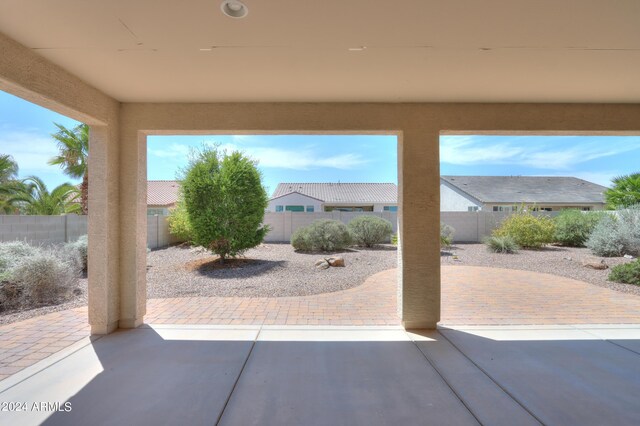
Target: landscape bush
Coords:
[(617, 235), (574, 227), (179, 225), (367, 231), (33, 276), (78, 250), (322, 235), (446, 235), (225, 202), (527, 230), (44, 278), (505, 244), (628, 273)]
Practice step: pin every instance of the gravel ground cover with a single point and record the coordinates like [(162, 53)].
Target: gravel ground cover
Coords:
[(270, 270), (563, 261)]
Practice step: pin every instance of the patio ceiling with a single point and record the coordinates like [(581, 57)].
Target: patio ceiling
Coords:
[(292, 50)]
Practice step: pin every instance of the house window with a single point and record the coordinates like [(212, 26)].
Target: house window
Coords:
[(294, 208), (472, 208), (279, 208), (390, 208), (310, 209), (504, 208)]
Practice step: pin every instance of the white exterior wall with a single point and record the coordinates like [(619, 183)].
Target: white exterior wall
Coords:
[(454, 200), (295, 199)]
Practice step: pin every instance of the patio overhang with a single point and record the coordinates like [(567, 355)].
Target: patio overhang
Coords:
[(104, 78)]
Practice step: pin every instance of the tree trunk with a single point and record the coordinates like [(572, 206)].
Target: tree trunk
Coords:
[(84, 193)]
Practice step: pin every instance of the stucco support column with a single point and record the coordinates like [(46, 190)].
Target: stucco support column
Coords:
[(104, 235), (419, 178), (133, 227)]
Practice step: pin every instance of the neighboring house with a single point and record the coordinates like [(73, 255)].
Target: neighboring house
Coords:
[(161, 196), (508, 193), (325, 197)]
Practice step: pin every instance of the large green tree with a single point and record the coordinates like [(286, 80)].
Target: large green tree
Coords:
[(36, 199), (73, 145), (225, 202), (625, 191)]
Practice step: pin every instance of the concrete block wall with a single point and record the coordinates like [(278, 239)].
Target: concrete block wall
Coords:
[(473, 227), (61, 229), (284, 224)]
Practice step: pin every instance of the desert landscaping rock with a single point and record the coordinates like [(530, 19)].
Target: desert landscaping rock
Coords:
[(322, 264), (594, 263), (336, 261), (562, 261)]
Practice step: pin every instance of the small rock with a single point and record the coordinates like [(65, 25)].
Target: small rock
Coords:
[(568, 258), (322, 264), (336, 261), (628, 256), (594, 263)]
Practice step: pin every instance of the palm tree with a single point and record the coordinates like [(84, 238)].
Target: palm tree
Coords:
[(36, 198), (8, 183), (73, 158), (625, 191)]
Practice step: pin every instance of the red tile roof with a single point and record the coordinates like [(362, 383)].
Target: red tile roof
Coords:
[(162, 192)]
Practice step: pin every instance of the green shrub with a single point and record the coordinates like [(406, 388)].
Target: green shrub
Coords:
[(616, 235), (368, 231), (527, 230), (79, 249), (606, 239), (504, 244), (45, 278), (322, 235), (225, 202), (446, 235), (394, 239), (629, 225), (628, 273), (574, 227), (11, 253), (179, 225), (35, 276)]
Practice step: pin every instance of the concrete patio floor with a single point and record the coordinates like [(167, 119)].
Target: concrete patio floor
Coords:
[(470, 296), (324, 375)]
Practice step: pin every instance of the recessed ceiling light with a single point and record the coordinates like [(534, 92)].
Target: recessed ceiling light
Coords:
[(234, 9), (357, 49)]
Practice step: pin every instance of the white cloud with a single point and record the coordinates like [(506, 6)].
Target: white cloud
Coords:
[(175, 150), (302, 159), (468, 150), (305, 158), (30, 150)]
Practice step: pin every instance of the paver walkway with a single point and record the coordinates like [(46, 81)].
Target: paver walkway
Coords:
[(470, 296)]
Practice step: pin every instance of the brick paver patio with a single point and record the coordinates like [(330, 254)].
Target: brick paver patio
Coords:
[(470, 296)]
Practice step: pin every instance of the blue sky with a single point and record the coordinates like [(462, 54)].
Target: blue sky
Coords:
[(25, 131), (290, 158)]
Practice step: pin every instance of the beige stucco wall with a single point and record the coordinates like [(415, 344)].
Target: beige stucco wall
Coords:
[(117, 223), (419, 127), (31, 77)]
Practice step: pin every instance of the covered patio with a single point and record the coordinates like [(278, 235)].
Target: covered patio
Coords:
[(422, 69)]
